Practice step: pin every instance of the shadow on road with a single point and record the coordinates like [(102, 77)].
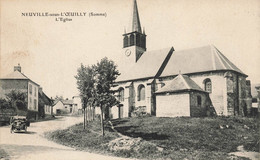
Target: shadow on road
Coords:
[(28, 132)]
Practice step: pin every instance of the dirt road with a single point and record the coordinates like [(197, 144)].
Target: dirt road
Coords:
[(33, 146)]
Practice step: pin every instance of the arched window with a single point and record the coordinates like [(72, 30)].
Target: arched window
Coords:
[(138, 40), (125, 41), (199, 100), (141, 93), (132, 40), (208, 85), (121, 95)]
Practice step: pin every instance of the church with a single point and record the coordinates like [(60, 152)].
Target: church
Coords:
[(168, 83)]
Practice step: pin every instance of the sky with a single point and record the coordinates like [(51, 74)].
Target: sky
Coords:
[(50, 51)]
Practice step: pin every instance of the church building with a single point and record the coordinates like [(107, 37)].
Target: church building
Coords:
[(169, 83)]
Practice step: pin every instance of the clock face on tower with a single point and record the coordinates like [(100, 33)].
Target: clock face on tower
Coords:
[(127, 52)]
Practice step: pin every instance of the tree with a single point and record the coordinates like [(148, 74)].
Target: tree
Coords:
[(17, 100), (105, 74), (85, 83), (94, 83), (4, 104)]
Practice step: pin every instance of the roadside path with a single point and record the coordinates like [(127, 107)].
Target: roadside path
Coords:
[(33, 146)]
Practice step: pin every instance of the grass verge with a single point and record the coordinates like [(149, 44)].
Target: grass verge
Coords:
[(176, 138), (3, 154)]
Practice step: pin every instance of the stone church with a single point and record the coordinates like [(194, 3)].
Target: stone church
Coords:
[(169, 83)]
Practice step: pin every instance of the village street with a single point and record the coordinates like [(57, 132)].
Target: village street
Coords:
[(32, 145)]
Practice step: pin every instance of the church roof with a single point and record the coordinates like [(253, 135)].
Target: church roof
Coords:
[(149, 65), (17, 75), (180, 83), (136, 25), (202, 59)]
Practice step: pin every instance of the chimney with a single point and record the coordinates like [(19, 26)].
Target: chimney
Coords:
[(40, 90), (18, 68)]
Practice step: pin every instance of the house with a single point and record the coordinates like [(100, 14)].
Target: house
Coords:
[(77, 105), (63, 107), (68, 105), (45, 104), (150, 79), (255, 99), (20, 82)]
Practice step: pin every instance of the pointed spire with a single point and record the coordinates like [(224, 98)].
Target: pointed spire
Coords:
[(143, 30), (136, 25)]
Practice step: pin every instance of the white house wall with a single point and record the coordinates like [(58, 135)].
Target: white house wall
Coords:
[(58, 105), (32, 96)]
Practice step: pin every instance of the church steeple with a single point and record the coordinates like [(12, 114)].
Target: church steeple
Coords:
[(136, 25), (135, 40)]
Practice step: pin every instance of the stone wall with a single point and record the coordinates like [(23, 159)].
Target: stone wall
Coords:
[(242, 87), (199, 110), (217, 96)]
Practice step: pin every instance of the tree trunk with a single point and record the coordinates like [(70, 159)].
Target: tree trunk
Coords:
[(93, 113), (102, 122), (84, 115)]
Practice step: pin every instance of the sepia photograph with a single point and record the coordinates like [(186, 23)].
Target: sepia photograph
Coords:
[(129, 79)]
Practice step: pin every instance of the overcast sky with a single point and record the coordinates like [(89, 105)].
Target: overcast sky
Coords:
[(50, 51)]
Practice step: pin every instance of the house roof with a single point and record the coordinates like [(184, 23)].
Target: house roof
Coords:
[(67, 102), (45, 98), (147, 66), (202, 59), (17, 75), (180, 83)]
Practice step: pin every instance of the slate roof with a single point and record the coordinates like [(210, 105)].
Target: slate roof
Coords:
[(202, 59), (180, 83), (196, 60), (69, 102), (136, 25), (17, 75), (45, 98), (147, 66)]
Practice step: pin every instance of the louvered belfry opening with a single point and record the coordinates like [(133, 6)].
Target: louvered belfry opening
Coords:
[(135, 37)]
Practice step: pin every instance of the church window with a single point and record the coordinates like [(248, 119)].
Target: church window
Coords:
[(141, 93), (132, 40), (199, 100), (125, 41), (121, 95), (208, 85), (138, 40)]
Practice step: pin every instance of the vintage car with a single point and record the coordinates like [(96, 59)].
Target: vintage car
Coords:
[(19, 123)]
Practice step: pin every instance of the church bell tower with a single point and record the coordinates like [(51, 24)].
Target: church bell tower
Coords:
[(134, 42)]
